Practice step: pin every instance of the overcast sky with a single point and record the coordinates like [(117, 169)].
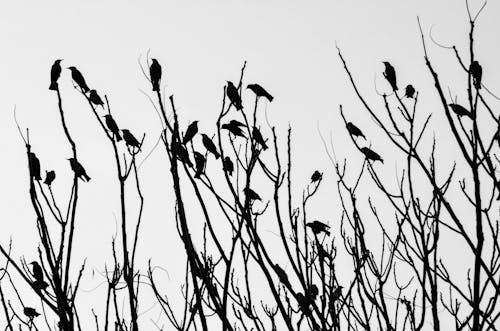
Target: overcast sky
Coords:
[(289, 47)]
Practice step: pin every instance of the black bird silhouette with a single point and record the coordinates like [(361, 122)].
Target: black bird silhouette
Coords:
[(354, 130), (112, 126), (236, 123), (317, 227), (477, 73), (258, 137), (234, 129), (371, 155), (303, 302), (233, 95), (55, 72), (40, 285), (37, 271), (191, 131), (78, 78), (409, 91), (130, 140), (390, 75), (312, 292), (210, 146), (34, 166), (460, 110), (95, 98), (78, 169), (281, 275), (199, 161), (182, 153), (155, 74), (251, 194), (228, 165), (316, 176), (49, 177), (260, 91), (31, 313)]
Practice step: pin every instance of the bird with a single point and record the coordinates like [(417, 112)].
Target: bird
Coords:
[(34, 166), (303, 302), (460, 110), (37, 271), (390, 75), (476, 71), (233, 95), (317, 227), (281, 275), (234, 129), (228, 165), (409, 91), (112, 126), (49, 177), (78, 169), (250, 194), (236, 123), (191, 131), (199, 161), (78, 78), (55, 73), (181, 153), (209, 145), (258, 138), (31, 313), (336, 294), (354, 130), (130, 140), (371, 155), (260, 91), (316, 176), (40, 285), (95, 98), (155, 74), (312, 292)]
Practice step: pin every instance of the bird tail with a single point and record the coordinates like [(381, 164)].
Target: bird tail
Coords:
[(53, 86), (118, 137), (217, 155), (270, 97), (156, 86), (86, 177), (265, 146)]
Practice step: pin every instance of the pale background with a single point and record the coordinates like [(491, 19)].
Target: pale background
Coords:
[(290, 49)]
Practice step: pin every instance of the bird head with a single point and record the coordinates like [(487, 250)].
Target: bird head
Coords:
[(126, 131), (386, 64), (93, 91), (107, 116), (154, 60), (229, 83), (34, 262), (250, 85), (58, 61), (72, 68)]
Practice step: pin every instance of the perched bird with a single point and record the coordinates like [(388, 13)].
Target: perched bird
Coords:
[(236, 123), (78, 169), (130, 140), (251, 194), (317, 227), (155, 74), (281, 275), (233, 129), (303, 302), (37, 271), (112, 126), (409, 91), (228, 165), (258, 137), (95, 98), (336, 294), (260, 92), (181, 153), (316, 176), (31, 313), (312, 292), (390, 75), (233, 95), (34, 166), (459, 110), (477, 73), (49, 177), (40, 285), (354, 130), (210, 146), (199, 161), (55, 73), (191, 131), (371, 155), (78, 78)]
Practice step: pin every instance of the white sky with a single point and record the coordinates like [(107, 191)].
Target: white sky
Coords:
[(290, 49)]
